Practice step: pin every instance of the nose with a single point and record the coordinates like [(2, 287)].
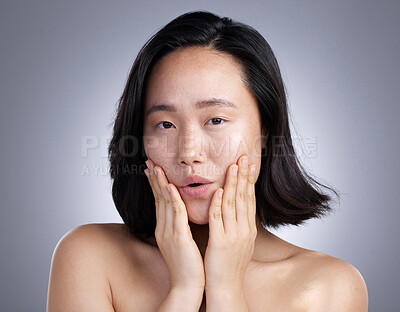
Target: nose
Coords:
[(190, 150)]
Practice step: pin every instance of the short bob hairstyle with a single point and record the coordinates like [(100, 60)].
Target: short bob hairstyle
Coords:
[(285, 194)]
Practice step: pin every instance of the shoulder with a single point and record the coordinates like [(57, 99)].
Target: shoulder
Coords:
[(81, 264), (90, 240), (100, 233), (94, 244), (332, 283)]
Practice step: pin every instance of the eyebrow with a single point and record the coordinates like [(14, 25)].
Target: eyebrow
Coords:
[(159, 107)]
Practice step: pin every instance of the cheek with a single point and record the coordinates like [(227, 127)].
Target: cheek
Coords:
[(155, 148), (161, 152), (237, 144), (224, 152)]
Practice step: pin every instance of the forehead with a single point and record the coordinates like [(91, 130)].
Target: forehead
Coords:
[(193, 74)]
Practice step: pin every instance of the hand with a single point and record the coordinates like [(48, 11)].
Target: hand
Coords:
[(232, 224), (173, 234)]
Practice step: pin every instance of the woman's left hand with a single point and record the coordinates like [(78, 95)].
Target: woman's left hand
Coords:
[(232, 224)]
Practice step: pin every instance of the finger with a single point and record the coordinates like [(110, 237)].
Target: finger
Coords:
[(160, 214), (150, 179), (229, 199), (215, 220), (166, 208), (251, 197), (153, 178), (241, 194), (181, 223)]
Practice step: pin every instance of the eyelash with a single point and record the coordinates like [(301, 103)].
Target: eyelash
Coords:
[(162, 122)]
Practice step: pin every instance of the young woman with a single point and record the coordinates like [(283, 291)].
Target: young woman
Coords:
[(203, 163)]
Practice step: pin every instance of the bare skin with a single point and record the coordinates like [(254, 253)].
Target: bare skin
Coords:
[(100, 267), (208, 253)]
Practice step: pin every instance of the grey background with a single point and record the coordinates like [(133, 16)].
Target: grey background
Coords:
[(63, 66)]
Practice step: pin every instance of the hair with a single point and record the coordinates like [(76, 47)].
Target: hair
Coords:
[(285, 193)]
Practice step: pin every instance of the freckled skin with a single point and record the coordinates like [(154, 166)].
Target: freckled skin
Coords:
[(182, 78)]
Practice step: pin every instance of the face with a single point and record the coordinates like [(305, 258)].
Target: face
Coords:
[(199, 119)]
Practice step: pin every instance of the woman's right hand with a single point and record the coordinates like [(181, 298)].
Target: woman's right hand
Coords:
[(173, 235)]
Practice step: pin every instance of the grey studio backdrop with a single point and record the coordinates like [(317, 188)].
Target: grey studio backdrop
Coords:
[(64, 64)]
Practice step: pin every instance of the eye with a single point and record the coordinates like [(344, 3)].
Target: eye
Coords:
[(166, 124), (217, 121)]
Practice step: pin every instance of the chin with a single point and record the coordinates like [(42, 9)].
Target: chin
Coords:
[(199, 221), (198, 214)]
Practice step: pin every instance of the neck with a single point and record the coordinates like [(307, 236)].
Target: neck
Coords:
[(268, 247), (200, 235)]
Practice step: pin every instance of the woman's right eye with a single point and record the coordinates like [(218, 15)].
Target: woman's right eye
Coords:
[(166, 124)]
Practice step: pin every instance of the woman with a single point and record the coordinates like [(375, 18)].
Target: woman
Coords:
[(204, 108)]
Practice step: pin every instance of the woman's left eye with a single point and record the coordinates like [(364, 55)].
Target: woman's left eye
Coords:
[(217, 120)]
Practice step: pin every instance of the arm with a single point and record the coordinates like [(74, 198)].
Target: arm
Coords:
[(77, 278), (181, 301), (226, 300), (176, 245), (232, 222)]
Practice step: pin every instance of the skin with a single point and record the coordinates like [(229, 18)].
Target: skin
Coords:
[(209, 253), (228, 223), (182, 79)]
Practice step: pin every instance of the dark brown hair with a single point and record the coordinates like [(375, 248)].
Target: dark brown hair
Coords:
[(285, 193)]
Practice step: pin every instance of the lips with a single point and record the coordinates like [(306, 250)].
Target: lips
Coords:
[(196, 191), (195, 186), (194, 180)]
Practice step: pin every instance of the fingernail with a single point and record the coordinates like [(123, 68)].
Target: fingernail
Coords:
[(147, 163), (146, 172), (155, 172), (252, 170), (220, 193), (245, 161), (234, 170)]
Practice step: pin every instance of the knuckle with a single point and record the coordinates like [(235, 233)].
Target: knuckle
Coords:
[(231, 203), (217, 215), (243, 173), (176, 210), (159, 199), (252, 198), (167, 202), (242, 195), (174, 200)]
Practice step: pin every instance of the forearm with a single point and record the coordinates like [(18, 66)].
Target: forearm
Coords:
[(221, 300), (181, 301)]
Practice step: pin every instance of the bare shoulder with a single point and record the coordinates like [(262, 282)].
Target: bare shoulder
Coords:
[(80, 268), (99, 233), (332, 283), (91, 241)]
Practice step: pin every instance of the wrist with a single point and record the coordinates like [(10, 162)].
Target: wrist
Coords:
[(182, 300), (188, 295), (227, 291), (190, 291), (226, 299)]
